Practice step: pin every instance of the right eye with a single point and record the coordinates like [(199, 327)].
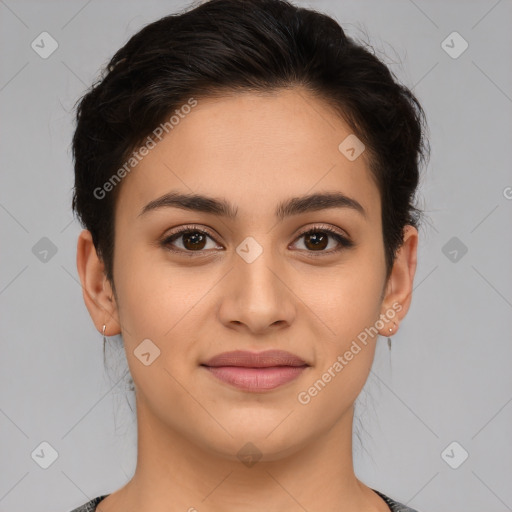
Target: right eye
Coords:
[(192, 239)]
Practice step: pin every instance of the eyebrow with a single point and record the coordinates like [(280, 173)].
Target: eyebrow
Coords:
[(222, 208)]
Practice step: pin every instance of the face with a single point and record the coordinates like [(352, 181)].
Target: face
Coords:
[(254, 281)]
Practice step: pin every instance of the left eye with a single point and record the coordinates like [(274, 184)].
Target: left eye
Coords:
[(318, 238)]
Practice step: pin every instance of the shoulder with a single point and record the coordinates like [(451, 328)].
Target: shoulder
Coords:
[(90, 506), (395, 506)]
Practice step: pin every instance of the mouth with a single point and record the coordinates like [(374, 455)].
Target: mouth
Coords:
[(256, 372)]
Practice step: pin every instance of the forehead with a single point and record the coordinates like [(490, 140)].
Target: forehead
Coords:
[(255, 150)]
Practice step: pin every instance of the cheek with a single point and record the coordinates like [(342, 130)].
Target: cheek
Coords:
[(141, 297), (345, 299), (158, 300), (348, 307)]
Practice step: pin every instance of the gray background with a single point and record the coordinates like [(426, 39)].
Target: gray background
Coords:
[(449, 378)]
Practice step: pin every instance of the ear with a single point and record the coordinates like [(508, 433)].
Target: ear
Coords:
[(400, 282), (97, 291)]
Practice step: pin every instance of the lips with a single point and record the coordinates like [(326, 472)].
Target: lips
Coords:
[(256, 372)]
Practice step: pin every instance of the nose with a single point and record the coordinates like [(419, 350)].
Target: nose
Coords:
[(257, 295)]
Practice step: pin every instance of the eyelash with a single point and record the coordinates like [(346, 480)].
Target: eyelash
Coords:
[(344, 243)]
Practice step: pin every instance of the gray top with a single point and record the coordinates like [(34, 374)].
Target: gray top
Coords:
[(394, 506)]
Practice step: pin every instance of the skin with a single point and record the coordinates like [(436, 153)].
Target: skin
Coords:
[(254, 150)]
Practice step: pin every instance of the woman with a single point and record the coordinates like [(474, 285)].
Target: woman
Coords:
[(245, 174)]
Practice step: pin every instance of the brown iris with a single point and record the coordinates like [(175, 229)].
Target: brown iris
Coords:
[(194, 240), (318, 240)]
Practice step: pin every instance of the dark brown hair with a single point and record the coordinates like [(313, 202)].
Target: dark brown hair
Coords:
[(225, 46)]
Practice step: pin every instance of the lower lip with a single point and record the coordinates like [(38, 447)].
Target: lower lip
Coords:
[(256, 379)]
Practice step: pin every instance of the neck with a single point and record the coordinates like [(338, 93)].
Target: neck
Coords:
[(175, 474)]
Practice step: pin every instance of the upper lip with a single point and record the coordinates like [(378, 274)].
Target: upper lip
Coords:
[(264, 359)]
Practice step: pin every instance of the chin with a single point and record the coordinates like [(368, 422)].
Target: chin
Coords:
[(259, 443)]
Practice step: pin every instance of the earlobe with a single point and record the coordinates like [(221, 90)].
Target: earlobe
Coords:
[(96, 289), (399, 288)]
